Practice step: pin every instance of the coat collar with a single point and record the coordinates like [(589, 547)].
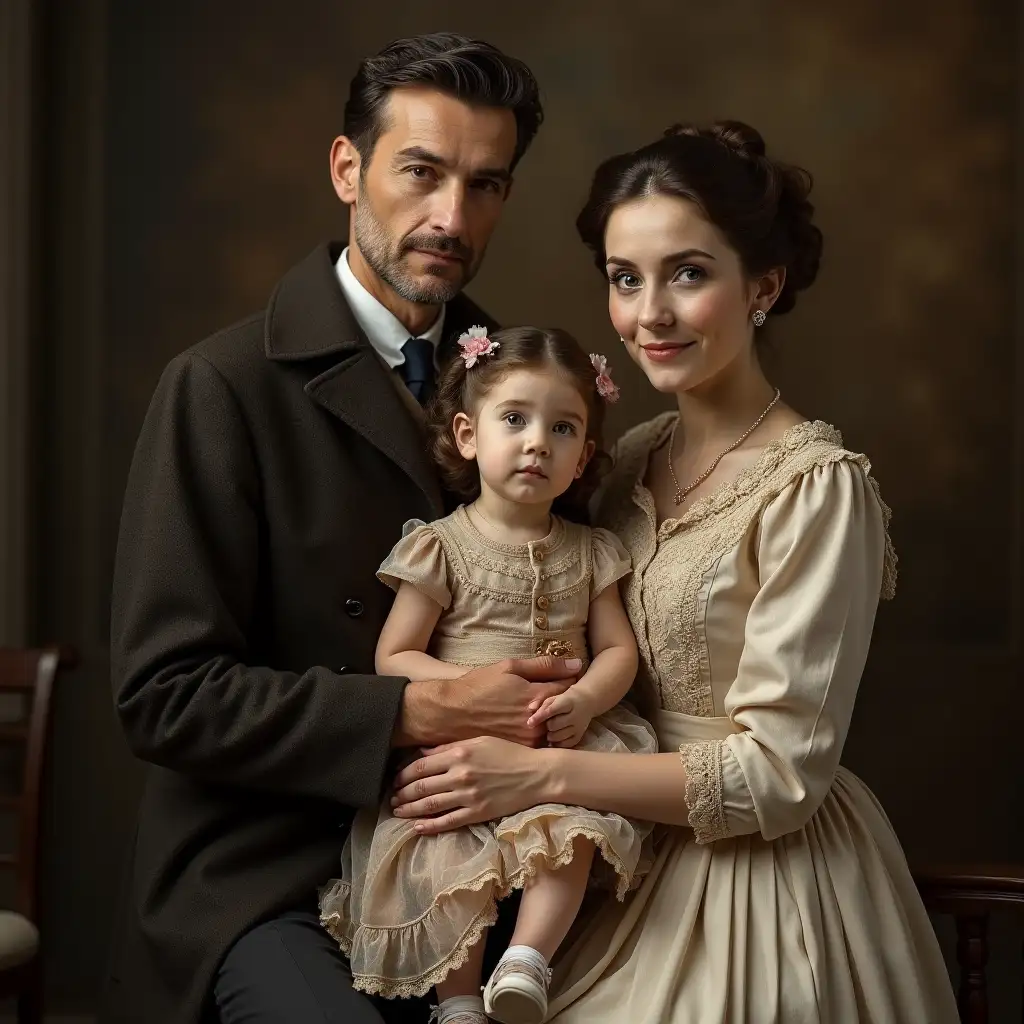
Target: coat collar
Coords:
[(307, 316), (308, 319)]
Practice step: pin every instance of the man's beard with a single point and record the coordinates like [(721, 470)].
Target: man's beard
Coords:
[(385, 258)]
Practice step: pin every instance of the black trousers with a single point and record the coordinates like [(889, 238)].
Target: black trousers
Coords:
[(290, 971)]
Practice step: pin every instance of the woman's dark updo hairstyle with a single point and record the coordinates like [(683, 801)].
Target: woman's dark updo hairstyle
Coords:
[(759, 204), (461, 390)]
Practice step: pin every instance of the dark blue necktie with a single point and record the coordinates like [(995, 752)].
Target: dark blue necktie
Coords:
[(418, 369)]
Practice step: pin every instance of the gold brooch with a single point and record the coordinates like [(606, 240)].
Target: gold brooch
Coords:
[(554, 648)]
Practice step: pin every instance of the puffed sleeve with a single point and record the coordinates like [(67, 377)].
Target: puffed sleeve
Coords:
[(610, 559), (418, 558), (823, 556)]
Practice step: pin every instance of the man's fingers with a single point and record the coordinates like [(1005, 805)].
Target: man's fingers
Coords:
[(546, 669)]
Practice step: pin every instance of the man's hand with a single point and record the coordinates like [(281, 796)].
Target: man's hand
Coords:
[(565, 716), (490, 701)]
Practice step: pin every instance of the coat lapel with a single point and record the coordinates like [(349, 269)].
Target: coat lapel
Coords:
[(357, 390), (308, 320)]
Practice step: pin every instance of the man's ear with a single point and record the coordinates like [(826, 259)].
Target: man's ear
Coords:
[(346, 164)]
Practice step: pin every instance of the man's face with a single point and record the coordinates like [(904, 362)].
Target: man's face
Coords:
[(431, 192)]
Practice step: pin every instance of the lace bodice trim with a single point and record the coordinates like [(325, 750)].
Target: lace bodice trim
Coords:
[(671, 648), (766, 474)]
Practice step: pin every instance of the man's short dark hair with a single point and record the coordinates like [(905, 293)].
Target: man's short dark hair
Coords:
[(468, 69)]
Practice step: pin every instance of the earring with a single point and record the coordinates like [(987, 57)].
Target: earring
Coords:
[(759, 316), (623, 340)]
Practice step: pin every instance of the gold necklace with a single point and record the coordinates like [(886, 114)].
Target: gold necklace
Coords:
[(682, 492)]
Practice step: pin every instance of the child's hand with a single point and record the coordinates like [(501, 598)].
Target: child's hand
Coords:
[(567, 715)]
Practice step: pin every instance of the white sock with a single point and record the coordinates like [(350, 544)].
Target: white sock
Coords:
[(460, 1004), (527, 953)]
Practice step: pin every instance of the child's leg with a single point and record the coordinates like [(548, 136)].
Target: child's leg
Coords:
[(517, 991), (465, 981), (551, 901)]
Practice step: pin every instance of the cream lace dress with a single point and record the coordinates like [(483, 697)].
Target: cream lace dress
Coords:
[(407, 908), (788, 900)]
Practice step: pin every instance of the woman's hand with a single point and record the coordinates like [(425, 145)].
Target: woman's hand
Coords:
[(472, 781)]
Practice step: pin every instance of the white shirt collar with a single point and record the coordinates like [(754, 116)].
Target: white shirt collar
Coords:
[(382, 328)]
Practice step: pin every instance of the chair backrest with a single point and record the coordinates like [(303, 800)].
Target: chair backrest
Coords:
[(28, 673), (970, 893)]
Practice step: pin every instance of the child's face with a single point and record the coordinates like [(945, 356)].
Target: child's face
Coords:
[(529, 436)]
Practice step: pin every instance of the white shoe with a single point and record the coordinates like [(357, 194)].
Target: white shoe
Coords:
[(517, 992), (456, 1016)]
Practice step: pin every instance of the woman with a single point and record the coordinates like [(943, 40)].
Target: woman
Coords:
[(759, 550)]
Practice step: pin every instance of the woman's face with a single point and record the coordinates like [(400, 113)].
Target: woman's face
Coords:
[(677, 293)]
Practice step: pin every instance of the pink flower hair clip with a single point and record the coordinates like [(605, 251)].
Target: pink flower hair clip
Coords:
[(475, 343), (606, 387)]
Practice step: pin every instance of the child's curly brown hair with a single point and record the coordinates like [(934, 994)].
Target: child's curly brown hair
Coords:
[(460, 390)]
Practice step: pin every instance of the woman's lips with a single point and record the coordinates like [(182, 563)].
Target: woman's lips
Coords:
[(665, 351)]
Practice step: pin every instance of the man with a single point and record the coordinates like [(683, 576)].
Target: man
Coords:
[(275, 468)]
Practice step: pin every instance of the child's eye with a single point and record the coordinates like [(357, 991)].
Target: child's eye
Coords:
[(567, 429), (515, 419)]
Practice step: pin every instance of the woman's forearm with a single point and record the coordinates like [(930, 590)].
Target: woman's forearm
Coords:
[(647, 786)]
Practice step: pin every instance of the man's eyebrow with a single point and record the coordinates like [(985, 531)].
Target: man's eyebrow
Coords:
[(424, 155)]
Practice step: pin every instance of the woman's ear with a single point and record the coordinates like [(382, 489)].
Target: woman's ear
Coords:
[(465, 436), (767, 288)]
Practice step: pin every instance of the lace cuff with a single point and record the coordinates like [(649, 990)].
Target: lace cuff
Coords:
[(703, 764)]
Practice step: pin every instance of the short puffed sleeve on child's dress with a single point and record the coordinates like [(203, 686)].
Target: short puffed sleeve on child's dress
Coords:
[(610, 560), (418, 558)]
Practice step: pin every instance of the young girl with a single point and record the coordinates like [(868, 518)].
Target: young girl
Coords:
[(516, 424)]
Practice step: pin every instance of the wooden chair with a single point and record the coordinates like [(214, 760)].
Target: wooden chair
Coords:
[(28, 675), (970, 893)]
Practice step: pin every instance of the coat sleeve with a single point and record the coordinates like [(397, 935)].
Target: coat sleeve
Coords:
[(184, 591)]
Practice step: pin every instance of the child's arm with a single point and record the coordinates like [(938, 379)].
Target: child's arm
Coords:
[(604, 684), (614, 657), (401, 648)]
